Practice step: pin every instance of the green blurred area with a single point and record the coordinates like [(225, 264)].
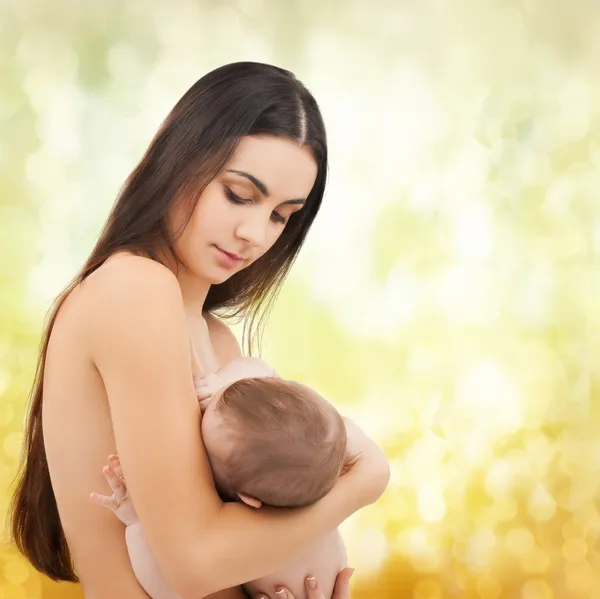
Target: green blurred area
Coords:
[(448, 298)]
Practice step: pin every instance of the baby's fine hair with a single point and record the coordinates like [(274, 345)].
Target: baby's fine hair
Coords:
[(290, 444)]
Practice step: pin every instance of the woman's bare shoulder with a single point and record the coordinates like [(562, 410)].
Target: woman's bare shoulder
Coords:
[(130, 296), (127, 273)]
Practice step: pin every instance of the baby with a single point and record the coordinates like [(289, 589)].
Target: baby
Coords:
[(269, 441)]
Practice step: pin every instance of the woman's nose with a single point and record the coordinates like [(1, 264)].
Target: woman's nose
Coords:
[(254, 229)]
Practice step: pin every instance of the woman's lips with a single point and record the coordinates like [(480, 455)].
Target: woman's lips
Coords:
[(228, 259)]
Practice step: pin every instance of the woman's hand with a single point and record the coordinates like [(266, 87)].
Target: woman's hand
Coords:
[(313, 590)]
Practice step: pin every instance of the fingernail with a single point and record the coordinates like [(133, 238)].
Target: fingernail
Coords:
[(311, 582), (282, 593)]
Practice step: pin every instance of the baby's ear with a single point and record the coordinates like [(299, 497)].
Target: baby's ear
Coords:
[(349, 461), (249, 500)]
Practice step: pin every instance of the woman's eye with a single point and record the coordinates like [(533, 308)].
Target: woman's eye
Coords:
[(278, 218), (235, 199)]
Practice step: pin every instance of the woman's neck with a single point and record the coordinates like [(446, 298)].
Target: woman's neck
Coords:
[(193, 289)]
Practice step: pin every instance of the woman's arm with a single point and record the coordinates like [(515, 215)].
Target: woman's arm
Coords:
[(140, 346)]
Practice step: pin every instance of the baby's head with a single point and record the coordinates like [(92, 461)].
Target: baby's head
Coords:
[(273, 440)]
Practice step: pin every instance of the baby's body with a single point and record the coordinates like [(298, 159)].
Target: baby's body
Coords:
[(245, 468), (275, 441)]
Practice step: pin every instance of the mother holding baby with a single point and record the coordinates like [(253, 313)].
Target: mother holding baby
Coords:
[(211, 219)]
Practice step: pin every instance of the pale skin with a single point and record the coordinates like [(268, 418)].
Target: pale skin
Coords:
[(120, 347), (324, 561)]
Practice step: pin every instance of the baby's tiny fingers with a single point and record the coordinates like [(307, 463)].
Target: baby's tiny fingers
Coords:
[(115, 464), (116, 484), (204, 403), (104, 500)]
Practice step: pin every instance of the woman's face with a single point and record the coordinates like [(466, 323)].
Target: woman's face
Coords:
[(243, 211)]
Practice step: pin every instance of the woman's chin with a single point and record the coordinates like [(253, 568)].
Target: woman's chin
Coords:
[(220, 275), (218, 280)]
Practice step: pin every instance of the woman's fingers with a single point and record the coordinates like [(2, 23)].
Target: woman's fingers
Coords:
[(280, 593), (341, 590)]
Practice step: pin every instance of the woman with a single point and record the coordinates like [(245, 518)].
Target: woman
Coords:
[(212, 218)]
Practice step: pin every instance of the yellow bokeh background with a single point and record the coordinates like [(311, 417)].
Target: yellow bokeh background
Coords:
[(448, 296)]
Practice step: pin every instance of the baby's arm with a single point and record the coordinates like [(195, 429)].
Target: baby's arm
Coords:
[(142, 560), (145, 566), (323, 562)]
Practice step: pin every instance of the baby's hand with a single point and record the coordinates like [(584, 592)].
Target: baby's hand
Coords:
[(208, 386), (119, 502)]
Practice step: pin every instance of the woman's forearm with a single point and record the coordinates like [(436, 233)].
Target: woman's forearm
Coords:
[(244, 544)]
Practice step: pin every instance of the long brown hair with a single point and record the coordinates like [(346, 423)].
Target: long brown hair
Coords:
[(191, 147)]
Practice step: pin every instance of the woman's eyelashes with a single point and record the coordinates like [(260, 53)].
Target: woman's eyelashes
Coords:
[(235, 199)]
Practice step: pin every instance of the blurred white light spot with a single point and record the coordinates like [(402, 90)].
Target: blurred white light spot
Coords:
[(541, 504), (558, 196), (371, 548), (519, 541), (467, 295), (491, 398), (573, 120), (432, 506), (479, 551), (422, 553), (473, 235)]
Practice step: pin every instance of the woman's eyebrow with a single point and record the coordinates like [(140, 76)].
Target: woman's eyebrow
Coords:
[(261, 186), (257, 183)]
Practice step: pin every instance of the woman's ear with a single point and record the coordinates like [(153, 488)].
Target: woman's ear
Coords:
[(249, 500)]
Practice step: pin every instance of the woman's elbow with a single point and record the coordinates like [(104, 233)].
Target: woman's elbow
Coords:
[(383, 477), (379, 475)]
